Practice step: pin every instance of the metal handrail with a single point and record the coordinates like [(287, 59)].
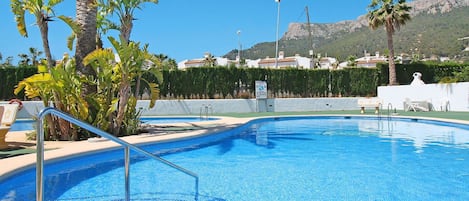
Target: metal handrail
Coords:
[(206, 111), (90, 128), (389, 110)]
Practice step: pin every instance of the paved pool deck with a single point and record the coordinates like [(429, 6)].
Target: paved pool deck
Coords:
[(22, 151)]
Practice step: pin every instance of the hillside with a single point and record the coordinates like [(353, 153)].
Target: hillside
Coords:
[(434, 29)]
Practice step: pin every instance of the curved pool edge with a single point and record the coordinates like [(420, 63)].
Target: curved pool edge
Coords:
[(61, 150), (64, 150)]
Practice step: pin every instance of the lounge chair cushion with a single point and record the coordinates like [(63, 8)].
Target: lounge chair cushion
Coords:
[(9, 114)]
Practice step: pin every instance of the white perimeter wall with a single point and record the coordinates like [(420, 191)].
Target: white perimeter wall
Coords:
[(220, 106), (456, 93)]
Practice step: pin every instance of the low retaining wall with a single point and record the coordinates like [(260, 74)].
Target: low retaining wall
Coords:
[(220, 106), (456, 94)]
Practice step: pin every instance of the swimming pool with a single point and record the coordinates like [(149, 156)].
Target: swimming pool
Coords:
[(286, 158), (27, 124)]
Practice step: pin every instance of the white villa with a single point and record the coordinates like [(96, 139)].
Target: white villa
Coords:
[(282, 62), (297, 61), (370, 61), (328, 63)]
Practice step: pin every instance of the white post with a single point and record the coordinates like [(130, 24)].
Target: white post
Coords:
[(239, 49), (276, 39)]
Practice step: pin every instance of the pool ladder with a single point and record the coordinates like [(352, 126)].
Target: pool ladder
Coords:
[(389, 111), (205, 110), (127, 147)]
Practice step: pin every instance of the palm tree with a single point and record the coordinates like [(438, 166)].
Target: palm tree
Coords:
[(34, 53), (43, 12), (86, 12), (392, 14), (210, 60), (24, 59), (125, 11)]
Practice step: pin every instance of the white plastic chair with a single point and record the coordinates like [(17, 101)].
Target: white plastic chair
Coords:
[(409, 105)]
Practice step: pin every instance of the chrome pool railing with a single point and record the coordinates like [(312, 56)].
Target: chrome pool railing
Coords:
[(205, 110), (389, 110), (127, 146)]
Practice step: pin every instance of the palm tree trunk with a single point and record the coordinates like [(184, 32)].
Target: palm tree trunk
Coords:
[(57, 123), (126, 27), (86, 12), (137, 87), (392, 64), (124, 95), (42, 23)]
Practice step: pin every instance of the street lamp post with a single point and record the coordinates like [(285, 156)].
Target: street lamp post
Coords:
[(276, 39), (239, 49)]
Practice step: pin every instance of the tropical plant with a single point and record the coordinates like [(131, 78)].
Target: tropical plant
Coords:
[(43, 11), (115, 76), (8, 61), (166, 62), (351, 60), (24, 59), (125, 12), (391, 14), (57, 83), (39, 86), (210, 60)]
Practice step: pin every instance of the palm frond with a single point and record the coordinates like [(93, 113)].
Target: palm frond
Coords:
[(70, 41), (71, 23), (18, 11)]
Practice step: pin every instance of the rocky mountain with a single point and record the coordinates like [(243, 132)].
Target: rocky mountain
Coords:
[(430, 18), (300, 30)]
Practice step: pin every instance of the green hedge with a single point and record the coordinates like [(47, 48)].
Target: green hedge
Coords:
[(222, 82), (11, 76), (231, 82), (432, 72)]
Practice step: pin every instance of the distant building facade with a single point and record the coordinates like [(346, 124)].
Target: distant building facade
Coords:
[(370, 61), (281, 62)]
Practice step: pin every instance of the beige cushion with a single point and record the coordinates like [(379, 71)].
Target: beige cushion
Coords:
[(9, 114)]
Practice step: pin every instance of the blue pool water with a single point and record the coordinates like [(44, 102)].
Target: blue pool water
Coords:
[(288, 158), (24, 125)]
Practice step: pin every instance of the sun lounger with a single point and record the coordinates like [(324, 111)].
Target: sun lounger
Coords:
[(7, 118), (416, 105)]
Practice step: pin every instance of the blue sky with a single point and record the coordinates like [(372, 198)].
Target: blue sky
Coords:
[(186, 29)]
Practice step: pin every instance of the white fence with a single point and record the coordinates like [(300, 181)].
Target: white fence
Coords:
[(456, 94)]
